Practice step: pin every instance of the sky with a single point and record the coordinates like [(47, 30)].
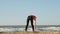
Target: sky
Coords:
[(15, 12)]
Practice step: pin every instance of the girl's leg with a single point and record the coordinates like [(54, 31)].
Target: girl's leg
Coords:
[(32, 25), (27, 24)]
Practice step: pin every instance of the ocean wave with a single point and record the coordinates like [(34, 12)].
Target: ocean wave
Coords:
[(29, 29)]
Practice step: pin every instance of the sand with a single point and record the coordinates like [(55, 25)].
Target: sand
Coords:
[(29, 32)]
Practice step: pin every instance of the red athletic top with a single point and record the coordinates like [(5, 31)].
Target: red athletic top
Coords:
[(33, 17)]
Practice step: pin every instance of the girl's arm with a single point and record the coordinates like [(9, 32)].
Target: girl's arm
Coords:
[(35, 25)]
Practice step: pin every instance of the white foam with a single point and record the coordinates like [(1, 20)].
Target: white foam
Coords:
[(29, 29), (52, 28)]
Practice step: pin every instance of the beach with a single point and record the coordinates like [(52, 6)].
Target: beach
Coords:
[(29, 33)]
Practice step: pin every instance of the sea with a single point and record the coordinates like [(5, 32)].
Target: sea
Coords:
[(21, 28)]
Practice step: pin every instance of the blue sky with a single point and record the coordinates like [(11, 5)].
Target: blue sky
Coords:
[(15, 12)]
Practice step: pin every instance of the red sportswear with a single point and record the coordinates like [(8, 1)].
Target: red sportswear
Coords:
[(33, 17)]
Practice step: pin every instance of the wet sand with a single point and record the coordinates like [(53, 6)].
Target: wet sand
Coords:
[(29, 32)]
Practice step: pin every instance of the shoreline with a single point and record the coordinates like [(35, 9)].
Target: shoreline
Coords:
[(29, 32)]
